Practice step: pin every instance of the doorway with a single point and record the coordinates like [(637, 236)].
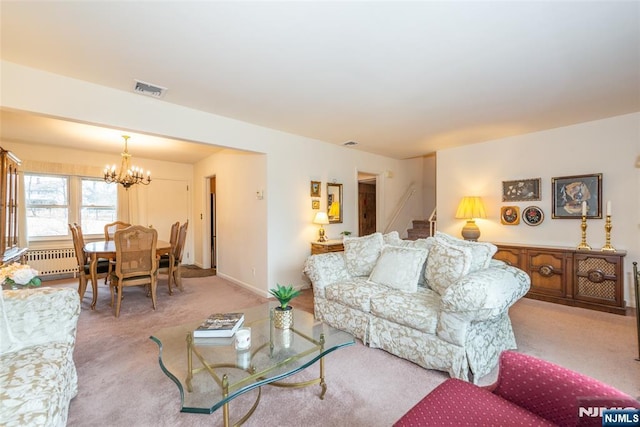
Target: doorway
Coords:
[(367, 204)]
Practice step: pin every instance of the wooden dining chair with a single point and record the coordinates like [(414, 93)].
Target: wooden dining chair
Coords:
[(109, 231), (174, 266), (111, 228), (83, 261), (166, 259), (136, 262)]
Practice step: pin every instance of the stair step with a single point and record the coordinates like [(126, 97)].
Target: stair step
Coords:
[(421, 223), (418, 233)]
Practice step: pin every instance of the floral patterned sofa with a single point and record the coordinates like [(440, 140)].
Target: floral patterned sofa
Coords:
[(440, 302), (38, 377)]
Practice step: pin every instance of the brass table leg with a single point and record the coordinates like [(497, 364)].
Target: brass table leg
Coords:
[(323, 384), (225, 393), (189, 362)]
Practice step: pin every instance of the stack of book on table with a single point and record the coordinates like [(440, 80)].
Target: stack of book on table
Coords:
[(219, 325)]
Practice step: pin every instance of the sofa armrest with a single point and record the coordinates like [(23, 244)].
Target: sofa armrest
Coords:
[(486, 293), (39, 315), (552, 391), (325, 269), (479, 296)]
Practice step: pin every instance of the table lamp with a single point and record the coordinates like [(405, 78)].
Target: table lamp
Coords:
[(470, 207), (322, 219)]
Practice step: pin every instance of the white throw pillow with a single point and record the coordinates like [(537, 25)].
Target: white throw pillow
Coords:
[(399, 268), (361, 253), (482, 252), (447, 264), (424, 244), (392, 238)]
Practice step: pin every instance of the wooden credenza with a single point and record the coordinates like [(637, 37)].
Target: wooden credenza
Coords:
[(326, 247), (9, 212), (587, 279)]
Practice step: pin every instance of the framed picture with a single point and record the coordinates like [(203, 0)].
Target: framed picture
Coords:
[(569, 192), (510, 215), (315, 188), (532, 215), (521, 190), (315, 204)]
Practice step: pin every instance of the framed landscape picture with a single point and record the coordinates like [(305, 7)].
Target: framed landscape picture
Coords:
[(521, 190), (568, 193)]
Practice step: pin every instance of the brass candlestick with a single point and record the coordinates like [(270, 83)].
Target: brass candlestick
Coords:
[(607, 228), (583, 246)]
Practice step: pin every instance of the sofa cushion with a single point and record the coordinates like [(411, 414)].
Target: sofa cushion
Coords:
[(417, 310), (447, 264), (459, 403), (399, 267), (354, 293), (481, 252), (361, 253)]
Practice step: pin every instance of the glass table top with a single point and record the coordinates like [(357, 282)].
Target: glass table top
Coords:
[(274, 354)]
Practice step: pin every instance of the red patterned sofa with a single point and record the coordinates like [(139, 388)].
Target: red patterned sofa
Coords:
[(529, 392)]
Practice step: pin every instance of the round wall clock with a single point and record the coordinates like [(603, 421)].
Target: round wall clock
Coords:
[(532, 215)]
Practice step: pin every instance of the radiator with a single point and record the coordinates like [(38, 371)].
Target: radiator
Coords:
[(53, 261)]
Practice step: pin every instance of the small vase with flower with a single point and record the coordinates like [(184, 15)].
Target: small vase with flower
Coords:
[(18, 276)]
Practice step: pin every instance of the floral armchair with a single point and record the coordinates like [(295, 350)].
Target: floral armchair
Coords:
[(38, 377)]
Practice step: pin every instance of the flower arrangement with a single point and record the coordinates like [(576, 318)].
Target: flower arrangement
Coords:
[(19, 274)]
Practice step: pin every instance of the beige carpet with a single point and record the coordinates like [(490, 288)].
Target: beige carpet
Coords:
[(121, 383)]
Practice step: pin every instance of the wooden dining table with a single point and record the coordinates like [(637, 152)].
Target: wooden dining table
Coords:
[(107, 249)]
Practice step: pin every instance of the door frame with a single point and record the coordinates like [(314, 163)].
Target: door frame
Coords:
[(379, 195), (207, 262)]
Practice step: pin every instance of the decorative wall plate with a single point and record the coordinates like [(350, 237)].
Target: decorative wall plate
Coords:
[(532, 215), (510, 215)]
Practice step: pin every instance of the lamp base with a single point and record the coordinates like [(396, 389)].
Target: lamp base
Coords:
[(470, 231), (321, 235)]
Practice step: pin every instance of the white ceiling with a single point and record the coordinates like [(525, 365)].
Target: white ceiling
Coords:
[(402, 79)]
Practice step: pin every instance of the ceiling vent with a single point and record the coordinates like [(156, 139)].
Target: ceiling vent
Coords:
[(350, 143), (149, 89)]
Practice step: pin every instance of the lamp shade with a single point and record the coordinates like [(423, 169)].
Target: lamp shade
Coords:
[(471, 207), (321, 218)]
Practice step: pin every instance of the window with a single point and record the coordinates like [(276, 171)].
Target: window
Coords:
[(99, 205), (54, 201)]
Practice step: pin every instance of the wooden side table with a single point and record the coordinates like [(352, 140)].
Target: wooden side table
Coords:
[(326, 247)]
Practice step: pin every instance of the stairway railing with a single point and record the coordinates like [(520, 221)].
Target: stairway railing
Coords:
[(433, 222), (401, 205)]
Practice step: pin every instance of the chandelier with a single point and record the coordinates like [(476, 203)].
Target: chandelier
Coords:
[(128, 175)]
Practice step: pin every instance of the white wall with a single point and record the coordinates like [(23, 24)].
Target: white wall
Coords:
[(275, 243), (609, 146)]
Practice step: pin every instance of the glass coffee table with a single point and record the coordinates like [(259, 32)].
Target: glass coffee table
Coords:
[(210, 372)]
